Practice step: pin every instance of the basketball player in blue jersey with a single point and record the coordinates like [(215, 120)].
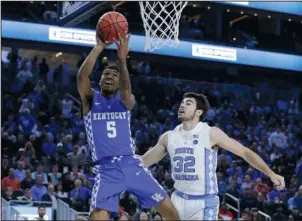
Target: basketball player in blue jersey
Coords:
[(192, 147), (107, 123)]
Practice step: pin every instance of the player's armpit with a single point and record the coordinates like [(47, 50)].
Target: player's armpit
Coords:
[(129, 104), (84, 87), (218, 137), (156, 153)]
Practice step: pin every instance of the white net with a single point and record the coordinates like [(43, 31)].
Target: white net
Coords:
[(161, 22)]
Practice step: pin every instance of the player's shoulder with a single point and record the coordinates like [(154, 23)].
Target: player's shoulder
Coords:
[(204, 126)]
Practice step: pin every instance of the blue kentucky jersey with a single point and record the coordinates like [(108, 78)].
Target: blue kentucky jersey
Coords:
[(108, 127)]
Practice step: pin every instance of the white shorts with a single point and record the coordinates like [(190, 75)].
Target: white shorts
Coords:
[(198, 208)]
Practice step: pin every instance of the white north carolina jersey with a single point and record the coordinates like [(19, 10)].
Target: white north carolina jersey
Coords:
[(193, 161)]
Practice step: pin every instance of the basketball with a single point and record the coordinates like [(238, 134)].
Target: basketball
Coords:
[(111, 25)]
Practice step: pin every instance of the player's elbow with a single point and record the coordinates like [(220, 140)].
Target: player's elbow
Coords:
[(247, 154), (80, 76), (144, 160)]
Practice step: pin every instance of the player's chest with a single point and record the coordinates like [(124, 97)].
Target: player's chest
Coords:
[(102, 105)]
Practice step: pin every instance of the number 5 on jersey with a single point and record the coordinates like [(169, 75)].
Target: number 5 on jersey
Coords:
[(111, 129)]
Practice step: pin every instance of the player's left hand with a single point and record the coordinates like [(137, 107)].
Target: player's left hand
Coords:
[(123, 46), (278, 181)]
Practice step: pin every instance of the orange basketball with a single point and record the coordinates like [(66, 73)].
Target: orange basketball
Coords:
[(111, 25)]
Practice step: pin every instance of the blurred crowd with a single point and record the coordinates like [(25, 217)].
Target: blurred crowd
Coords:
[(45, 156)]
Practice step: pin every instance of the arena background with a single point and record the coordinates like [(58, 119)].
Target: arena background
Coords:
[(252, 78)]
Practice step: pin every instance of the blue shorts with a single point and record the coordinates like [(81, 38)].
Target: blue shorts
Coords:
[(117, 174)]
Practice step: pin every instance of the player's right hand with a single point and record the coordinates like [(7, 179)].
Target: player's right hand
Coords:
[(100, 43), (278, 181)]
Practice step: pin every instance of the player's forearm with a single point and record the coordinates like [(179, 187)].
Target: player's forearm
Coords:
[(257, 162), (89, 62), (125, 83), (152, 156)]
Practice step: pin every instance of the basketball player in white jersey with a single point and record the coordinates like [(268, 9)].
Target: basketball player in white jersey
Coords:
[(192, 147)]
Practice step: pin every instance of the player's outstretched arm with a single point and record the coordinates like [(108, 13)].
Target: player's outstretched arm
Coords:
[(156, 153), (125, 85), (83, 81), (218, 137)]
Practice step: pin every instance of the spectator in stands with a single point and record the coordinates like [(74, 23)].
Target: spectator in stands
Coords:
[(298, 172), (29, 152), (278, 138), (261, 187), (77, 124), (255, 216), (143, 216), (60, 192), (38, 190), (249, 199), (55, 176), (90, 177), (8, 194), (261, 201), (157, 217), (8, 147), (20, 172), (297, 201), (247, 184), (279, 214), (27, 123), (224, 213), (27, 182), (128, 203), (79, 195), (24, 74), (40, 173), (10, 123), (273, 193), (231, 171), (11, 181), (5, 165), (44, 68), (55, 105), (296, 214), (222, 186), (233, 188), (67, 106), (74, 157), (49, 147), (50, 196), (26, 197), (276, 154)]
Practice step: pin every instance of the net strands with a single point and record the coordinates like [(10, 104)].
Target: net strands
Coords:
[(161, 23)]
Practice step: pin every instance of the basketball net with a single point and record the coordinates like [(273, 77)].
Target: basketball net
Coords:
[(161, 23)]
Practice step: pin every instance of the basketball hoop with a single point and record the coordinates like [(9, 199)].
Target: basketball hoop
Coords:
[(161, 23)]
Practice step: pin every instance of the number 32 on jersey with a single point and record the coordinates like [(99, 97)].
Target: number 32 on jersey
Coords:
[(111, 129), (184, 164)]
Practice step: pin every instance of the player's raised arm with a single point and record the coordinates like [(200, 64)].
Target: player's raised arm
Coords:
[(218, 137), (83, 81), (157, 152), (125, 85)]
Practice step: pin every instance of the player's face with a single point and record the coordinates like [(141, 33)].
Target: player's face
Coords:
[(187, 110), (109, 81)]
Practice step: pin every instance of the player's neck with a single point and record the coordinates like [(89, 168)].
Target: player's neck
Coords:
[(189, 125), (108, 95)]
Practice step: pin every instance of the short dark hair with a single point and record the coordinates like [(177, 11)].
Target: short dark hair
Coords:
[(202, 102), (113, 66), (41, 206)]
